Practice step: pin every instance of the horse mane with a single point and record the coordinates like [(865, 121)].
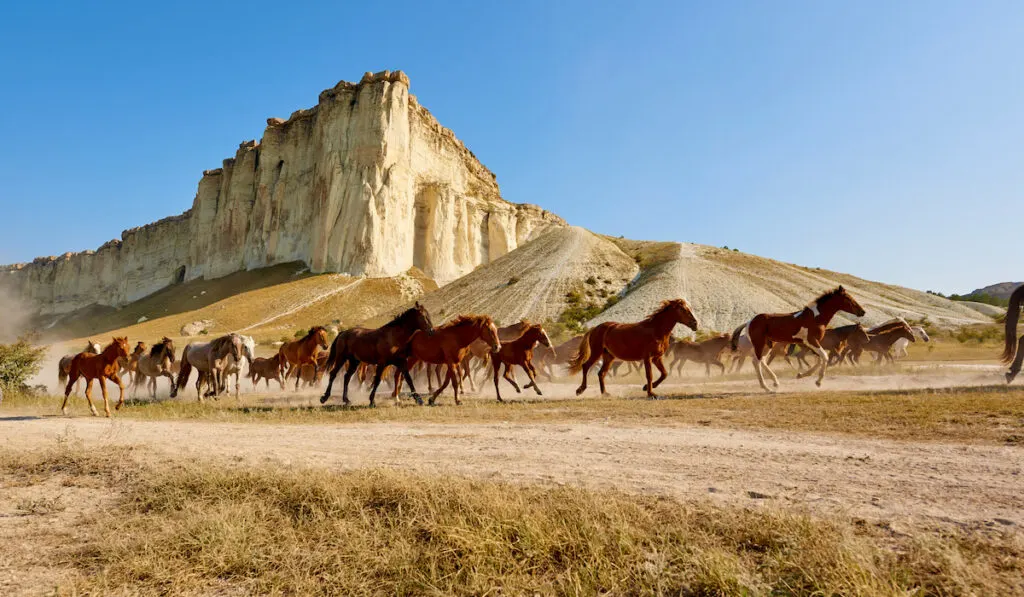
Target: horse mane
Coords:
[(464, 320), (161, 347), (664, 306), (313, 331), (889, 325), (838, 290), (217, 343), (398, 319)]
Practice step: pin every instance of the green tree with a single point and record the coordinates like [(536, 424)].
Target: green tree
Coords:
[(19, 362)]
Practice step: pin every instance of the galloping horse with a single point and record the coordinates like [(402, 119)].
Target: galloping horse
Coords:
[(708, 352), (1011, 352), (448, 345), (102, 366), (304, 352), (380, 347), (519, 352), (880, 343), (267, 369), (559, 355), (878, 338), (156, 364), (234, 367), (645, 341), (899, 347), (64, 366), (482, 352), (210, 359), (806, 326), (130, 366), (835, 342)]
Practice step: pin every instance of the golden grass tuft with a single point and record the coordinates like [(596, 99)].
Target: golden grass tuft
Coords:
[(194, 528)]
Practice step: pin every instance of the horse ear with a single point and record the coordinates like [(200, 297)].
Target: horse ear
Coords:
[(841, 289)]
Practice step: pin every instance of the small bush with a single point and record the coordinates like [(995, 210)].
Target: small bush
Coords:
[(513, 280), (18, 363), (573, 297), (591, 281)]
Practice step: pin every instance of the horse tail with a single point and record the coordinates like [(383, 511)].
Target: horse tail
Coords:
[(582, 354), (1012, 314), (62, 376), (735, 342), (185, 370), (332, 355)]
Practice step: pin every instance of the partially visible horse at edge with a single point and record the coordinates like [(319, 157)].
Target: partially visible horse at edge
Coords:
[(1013, 352)]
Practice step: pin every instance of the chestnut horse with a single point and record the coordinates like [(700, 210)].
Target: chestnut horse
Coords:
[(1013, 354), (267, 369), (806, 326), (875, 340), (380, 347), (482, 352), (708, 352), (448, 346), (519, 352), (156, 364), (645, 341), (64, 366), (304, 352), (102, 366)]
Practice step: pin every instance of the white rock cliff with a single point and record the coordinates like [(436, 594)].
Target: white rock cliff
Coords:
[(367, 183)]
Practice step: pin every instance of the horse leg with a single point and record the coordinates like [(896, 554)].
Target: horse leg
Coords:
[(434, 396), (456, 380), (757, 361), (594, 356), (120, 398), (402, 368), (660, 364), (67, 392), (349, 372), (510, 379), (1017, 362), (649, 386), (531, 372), (823, 362), (103, 390), (718, 363), (88, 394), (495, 365), (378, 372), (603, 371)]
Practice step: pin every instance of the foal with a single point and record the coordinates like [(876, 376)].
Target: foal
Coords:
[(101, 366)]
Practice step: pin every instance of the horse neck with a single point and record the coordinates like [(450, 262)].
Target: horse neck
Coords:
[(466, 333), (826, 312), (109, 354), (663, 322)]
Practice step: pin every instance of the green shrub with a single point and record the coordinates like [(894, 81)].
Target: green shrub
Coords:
[(19, 362)]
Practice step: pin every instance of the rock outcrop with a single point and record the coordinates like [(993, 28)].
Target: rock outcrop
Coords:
[(366, 183)]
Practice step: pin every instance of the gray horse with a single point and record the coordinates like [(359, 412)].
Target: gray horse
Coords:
[(210, 359)]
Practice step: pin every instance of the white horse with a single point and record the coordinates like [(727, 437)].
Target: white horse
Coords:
[(899, 347), (234, 367)]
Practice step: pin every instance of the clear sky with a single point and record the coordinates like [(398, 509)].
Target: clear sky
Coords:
[(884, 139)]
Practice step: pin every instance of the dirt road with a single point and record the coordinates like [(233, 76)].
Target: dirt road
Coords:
[(897, 482)]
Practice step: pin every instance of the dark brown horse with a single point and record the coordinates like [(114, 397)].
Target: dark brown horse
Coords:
[(645, 341), (874, 340), (102, 366), (806, 326), (481, 352), (519, 352), (1013, 352), (448, 346), (380, 347), (709, 352), (304, 352), (835, 342)]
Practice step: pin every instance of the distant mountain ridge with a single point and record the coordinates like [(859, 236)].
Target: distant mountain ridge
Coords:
[(1002, 290)]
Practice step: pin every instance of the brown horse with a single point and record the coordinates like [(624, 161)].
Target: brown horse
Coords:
[(835, 341), (64, 366), (881, 342), (856, 345), (304, 352), (646, 341), (709, 352), (380, 347), (102, 366), (1013, 354), (210, 360), (559, 355), (448, 346), (267, 369), (312, 375), (519, 352), (806, 326), (156, 364), (482, 353)]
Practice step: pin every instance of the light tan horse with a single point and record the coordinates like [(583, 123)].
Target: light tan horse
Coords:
[(234, 367), (304, 352), (156, 364), (209, 359), (645, 341), (64, 366), (709, 352), (101, 366)]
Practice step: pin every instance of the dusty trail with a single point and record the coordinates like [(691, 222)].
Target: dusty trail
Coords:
[(897, 482)]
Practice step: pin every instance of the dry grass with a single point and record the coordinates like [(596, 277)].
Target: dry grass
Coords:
[(990, 415), (195, 528)]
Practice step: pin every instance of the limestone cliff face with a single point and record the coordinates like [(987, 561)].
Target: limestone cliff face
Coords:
[(367, 182)]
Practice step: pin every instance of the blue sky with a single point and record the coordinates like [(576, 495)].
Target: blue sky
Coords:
[(884, 139)]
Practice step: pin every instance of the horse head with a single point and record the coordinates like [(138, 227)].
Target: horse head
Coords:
[(844, 301), (320, 333), (858, 336), (120, 346), (489, 333), (93, 348), (421, 318), (680, 310), (542, 336)]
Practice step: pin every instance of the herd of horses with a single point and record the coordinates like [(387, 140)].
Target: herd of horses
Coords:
[(459, 349)]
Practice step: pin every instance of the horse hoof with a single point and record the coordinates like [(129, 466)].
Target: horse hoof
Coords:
[(324, 398), (579, 391), (818, 383), (65, 411)]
